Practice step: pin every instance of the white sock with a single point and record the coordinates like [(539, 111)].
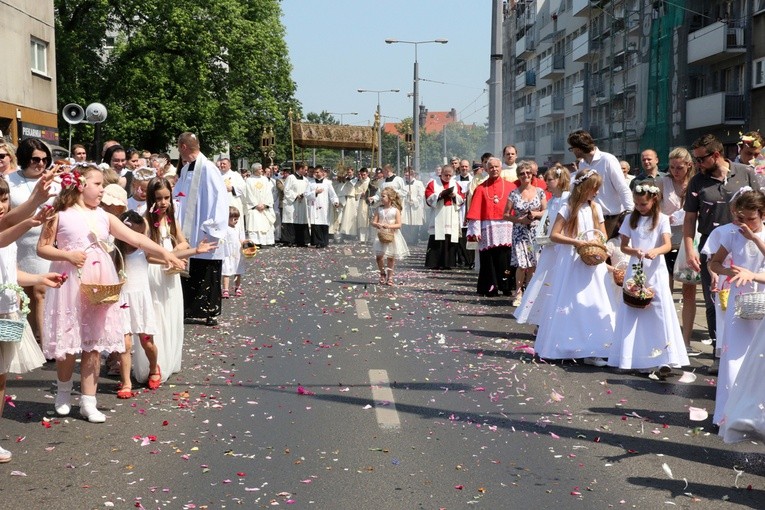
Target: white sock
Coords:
[(89, 409), (63, 395)]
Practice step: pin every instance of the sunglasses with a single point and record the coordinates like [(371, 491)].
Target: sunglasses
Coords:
[(700, 159), (521, 174), (37, 161), (4, 155)]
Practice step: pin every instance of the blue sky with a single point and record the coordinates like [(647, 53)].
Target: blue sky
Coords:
[(338, 46)]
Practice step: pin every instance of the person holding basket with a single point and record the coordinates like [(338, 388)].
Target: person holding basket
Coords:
[(390, 244), (75, 240)]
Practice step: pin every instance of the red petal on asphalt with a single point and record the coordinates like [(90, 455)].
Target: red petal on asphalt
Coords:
[(459, 487), (240, 474)]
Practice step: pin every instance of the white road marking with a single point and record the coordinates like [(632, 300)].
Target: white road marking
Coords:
[(385, 406), (362, 310), (353, 271)]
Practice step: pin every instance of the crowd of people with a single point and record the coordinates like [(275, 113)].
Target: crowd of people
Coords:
[(111, 259)]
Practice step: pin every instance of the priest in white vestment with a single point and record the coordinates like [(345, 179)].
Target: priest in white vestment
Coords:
[(320, 198), (259, 202), (202, 201), (294, 218), (444, 197)]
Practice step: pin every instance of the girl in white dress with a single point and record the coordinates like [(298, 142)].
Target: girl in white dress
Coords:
[(233, 262), (17, 357), (137, 307), (165, 285), (743, 418), (746, 247), (578, 318), (387, 218), (538, 290), (650, 337)]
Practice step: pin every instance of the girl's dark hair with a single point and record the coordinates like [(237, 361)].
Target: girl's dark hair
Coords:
[(110, 153), (135, 222), (27, 147), (655, 208), (751, 201), (152, 217)]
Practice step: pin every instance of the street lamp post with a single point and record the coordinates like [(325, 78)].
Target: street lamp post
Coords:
[(342, 151), (416, 96), (379, 131)]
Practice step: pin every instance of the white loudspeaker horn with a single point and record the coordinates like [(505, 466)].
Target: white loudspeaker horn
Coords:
[(73, 113), (95, 113)]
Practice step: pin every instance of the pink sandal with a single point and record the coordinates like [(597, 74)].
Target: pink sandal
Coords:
[(238, 292), (225, 294)]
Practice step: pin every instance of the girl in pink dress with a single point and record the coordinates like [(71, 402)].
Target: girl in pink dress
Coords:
[(76, 241)]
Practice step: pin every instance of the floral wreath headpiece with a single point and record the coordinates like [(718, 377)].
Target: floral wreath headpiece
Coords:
[(647, 188), (749, 140), (739, 192), (580, 180), (73, 179)]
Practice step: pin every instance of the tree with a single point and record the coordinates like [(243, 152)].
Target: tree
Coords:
[(218, 68)]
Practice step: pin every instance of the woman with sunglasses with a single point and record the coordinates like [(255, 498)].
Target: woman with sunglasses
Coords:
[(7, 158), (34, 157)]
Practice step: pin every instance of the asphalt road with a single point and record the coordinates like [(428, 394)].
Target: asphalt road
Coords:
[(321, 389)]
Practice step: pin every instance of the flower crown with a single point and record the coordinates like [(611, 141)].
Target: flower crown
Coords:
[(580, 180), (739, 192), (749, 140), (647, 188), (73, 179)]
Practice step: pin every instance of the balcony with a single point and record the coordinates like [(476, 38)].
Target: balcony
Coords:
[(582, 8), (583, 49), (597, 131), (715, 110), (524, 47), (551, 106), (715, 43), (524, 115), (526, 150), (551, 144), (525, 80), (551, 66)]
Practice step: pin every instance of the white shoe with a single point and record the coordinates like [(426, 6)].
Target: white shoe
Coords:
[(63, 396), (5, 455), (89, 410), (596, 362)]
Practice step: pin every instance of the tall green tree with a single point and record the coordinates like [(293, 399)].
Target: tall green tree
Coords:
[(215, 67)]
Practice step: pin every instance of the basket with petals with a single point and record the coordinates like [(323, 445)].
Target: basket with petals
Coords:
[(11, 330), (249, 249), (103, 293), (619, 271), (593, 252), (635, 293), (540, 231)]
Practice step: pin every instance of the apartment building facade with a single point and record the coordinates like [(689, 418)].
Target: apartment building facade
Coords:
[(635, 73), (28, 84)]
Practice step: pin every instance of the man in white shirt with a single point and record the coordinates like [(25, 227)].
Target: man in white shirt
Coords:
[(614, 197)]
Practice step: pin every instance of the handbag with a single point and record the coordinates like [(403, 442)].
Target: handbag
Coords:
[(385, 236), (682, 272)]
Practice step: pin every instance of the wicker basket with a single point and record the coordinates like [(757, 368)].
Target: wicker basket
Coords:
[(249, 249), (750, 305), (633, 298), (385, 236), (11, 330), (593, 252), (103, 294), (619, 271)]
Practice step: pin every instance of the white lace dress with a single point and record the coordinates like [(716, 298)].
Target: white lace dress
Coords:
[(397, 249)]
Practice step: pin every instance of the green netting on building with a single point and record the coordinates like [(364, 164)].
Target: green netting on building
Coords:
[(658, 133)]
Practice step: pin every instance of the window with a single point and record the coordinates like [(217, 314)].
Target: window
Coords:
[(758, 73), (39, 56), (759, 6)]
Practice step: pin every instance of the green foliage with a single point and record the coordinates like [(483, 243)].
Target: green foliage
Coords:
[(218, 68)]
